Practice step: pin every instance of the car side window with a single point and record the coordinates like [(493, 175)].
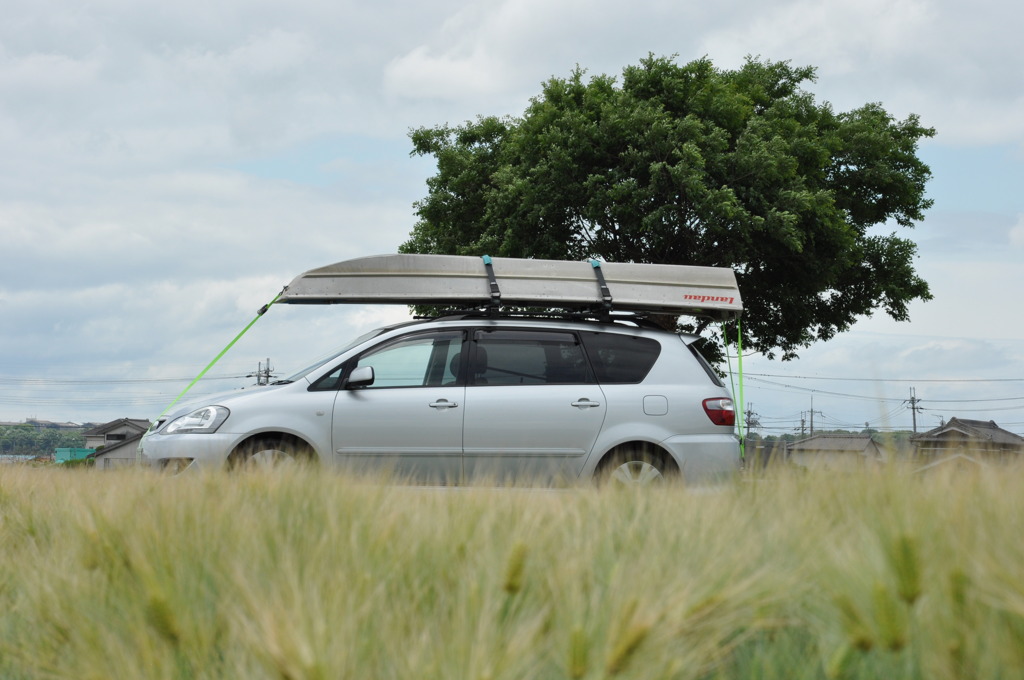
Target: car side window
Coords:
[(424, 360), (331, 381), (421, 360), (620, 358), (523, 357)]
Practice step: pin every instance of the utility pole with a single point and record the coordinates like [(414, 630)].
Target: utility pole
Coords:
[(914, 408), (751, 418), (263, 374), (812, 415)]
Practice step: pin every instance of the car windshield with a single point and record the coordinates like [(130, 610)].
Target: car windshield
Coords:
[(332, 354)]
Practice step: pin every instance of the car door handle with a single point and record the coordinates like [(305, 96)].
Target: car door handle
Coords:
[(444, 403), (585, 403)]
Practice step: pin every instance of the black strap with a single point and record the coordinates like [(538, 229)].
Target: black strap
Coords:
[(495, 291), (606, 295)]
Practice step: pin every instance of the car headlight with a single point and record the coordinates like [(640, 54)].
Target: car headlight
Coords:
[(205, 420)]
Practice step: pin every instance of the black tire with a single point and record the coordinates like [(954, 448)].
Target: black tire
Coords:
[(266, 453), (636, 466)]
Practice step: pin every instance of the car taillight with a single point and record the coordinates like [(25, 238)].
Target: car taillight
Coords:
[(720, 411)]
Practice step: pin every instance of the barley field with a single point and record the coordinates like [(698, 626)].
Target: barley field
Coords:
[(299, 574)]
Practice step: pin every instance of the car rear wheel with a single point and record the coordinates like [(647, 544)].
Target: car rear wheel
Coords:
[(635, 467), (269, 453)]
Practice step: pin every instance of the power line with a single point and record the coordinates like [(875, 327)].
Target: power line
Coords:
[(909, 380), (830, 393), (43, 382), (962, 401), (977, 410), (877, 398)]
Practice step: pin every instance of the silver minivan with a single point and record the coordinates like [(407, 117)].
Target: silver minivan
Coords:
[(476, 397)]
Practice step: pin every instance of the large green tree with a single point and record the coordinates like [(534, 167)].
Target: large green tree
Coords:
[(691, 164)]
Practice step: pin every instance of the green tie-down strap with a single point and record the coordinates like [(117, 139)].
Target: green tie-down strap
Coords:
[(261, 312), (732, 377)]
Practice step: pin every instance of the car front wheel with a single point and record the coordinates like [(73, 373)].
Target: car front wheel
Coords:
[(267, 453)]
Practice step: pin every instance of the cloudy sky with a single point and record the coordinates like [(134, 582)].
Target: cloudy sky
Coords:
[(165, 168)]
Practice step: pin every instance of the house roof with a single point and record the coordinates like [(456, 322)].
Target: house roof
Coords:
[(849, 443), (973, 430), (134, 423)]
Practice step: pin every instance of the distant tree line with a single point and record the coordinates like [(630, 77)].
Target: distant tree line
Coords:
[(27, 440)]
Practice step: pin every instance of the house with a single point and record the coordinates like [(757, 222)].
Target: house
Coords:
[(122, 454), (843, 452), (116, 442), (114, 432), (958, 463), (976, 439)]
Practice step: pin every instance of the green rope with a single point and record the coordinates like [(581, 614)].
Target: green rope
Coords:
[(732, 382), (728, 359), (261, 312), (739, 411)]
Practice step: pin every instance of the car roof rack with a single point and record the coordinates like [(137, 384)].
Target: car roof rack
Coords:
[(597, 316), (458, 281)]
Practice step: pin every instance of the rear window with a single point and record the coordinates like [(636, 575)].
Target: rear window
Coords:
[(620, 358)]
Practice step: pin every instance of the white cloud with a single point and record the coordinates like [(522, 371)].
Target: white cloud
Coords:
[(420, 74), (45, 74), (168, 166), (266, 59), (844, 37), (947, 61), (974, 297), (1017, 233), (497, 55)]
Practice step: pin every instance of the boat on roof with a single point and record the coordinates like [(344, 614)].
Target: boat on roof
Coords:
[(473, 282)]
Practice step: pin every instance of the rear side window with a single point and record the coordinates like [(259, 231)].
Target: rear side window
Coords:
[(620, 358), (514, 357), (706, 366)]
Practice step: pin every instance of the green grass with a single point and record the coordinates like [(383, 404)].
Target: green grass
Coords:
[(313, 575)]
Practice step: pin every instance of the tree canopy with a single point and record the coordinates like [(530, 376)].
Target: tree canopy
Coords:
[(691, 164)]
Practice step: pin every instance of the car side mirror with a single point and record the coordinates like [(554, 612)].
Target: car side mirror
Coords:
[(360, 377)]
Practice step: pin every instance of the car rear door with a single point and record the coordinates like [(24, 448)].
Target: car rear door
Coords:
[(533, 409)]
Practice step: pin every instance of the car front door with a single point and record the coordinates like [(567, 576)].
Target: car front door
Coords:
[(533, 408), (408, 421)]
